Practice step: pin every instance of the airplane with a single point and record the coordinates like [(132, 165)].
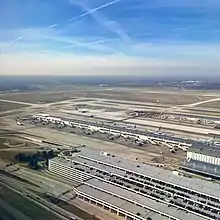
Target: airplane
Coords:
[(139, 142), (87, 132), (110, 137), (93, 129), (125, 136), (159, 131), (118, 135), (210, 141)]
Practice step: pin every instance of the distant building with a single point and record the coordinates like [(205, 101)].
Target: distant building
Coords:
[(203, 159)]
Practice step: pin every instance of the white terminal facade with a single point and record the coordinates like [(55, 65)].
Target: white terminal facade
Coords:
[(207, 155), (136, 191), (203, 160)]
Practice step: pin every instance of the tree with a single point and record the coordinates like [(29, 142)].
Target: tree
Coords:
[(50, 154), (34, 163), (44, 154), (38, 154)]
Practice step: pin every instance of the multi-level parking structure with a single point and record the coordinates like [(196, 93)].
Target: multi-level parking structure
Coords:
[(123, 131), (158, 190)]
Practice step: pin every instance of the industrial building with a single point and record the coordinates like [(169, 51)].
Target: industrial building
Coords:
[(203, 159), (136, 191)]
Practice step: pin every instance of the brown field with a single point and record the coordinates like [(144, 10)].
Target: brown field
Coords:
[(11, 141), (6, 106), (8, 155), (164, 97), (16, 145), (215, 104)]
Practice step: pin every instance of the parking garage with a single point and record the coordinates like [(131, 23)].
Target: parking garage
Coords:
[(155, 184)]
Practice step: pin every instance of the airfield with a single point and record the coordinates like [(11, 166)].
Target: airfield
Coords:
[(188, 115)]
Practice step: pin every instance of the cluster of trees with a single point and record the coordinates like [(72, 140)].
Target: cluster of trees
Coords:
[(34, 159)]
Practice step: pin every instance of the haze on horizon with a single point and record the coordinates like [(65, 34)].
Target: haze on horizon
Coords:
[(101, 37)]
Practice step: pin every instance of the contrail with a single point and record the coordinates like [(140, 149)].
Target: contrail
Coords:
[(44, 52), (53, 25), (68, 20), (93, 10), (89, 43), (11, 42)]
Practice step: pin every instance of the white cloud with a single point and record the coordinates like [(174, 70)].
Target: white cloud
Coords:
[(93, 65)]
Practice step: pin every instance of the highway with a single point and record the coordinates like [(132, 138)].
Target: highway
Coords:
[(42, 182)]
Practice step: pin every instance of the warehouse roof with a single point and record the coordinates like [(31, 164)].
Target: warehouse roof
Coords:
[(105, 191), (205, 168), (206, 149), (167, 176)]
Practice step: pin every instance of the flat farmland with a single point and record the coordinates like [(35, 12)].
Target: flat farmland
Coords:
[(6, 106), (163, 97)]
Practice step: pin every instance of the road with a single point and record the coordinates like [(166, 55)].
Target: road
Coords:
[(54, 186), (21, 188)]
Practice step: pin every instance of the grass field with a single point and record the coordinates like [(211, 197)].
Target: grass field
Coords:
[(40, 97), (6, 106), (24, 205), (5, 214), (13, 142), (120, 94), (215, 104)]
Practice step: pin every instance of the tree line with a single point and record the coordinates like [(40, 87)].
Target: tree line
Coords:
[(34, 159)]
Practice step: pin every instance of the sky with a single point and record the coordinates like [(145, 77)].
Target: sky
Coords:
[(102, 37)]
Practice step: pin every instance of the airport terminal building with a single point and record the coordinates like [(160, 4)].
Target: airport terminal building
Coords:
[(136, 191), (203, 159)]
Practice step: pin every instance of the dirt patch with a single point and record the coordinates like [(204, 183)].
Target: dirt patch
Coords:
[(8, 155), (14, 142)]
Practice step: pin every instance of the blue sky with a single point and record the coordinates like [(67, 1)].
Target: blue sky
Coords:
[(111, 37)]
